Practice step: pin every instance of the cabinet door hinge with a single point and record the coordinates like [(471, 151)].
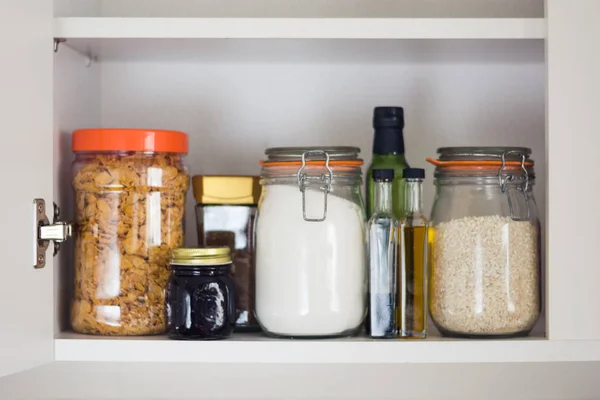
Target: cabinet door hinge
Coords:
[(45, 232)]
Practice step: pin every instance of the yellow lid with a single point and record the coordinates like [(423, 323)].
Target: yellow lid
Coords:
[(226, 189), (202, 256)]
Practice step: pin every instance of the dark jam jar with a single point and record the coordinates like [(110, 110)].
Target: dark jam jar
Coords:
[(201, 295)]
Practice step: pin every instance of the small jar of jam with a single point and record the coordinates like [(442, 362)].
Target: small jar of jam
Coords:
[(201, 295)]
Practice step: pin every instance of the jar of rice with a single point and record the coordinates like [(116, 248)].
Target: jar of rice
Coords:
[(485, 270)]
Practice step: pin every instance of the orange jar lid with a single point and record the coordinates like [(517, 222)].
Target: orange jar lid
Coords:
[(143, 140)]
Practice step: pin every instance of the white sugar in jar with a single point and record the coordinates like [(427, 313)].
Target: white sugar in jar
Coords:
[(311, 276)]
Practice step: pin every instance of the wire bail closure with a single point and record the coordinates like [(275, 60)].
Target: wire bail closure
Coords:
[(505, 178), (325, 179)]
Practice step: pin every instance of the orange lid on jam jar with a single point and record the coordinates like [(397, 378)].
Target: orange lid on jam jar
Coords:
[(142, 140)]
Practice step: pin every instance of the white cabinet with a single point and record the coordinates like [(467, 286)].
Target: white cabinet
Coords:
[(240, 76), (26, 302)]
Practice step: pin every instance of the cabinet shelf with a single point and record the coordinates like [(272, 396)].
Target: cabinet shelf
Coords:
[(300, 28), (255, 348)]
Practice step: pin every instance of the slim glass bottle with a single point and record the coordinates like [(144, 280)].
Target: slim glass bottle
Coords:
[(411, 318), (383, 227), (388, 153)]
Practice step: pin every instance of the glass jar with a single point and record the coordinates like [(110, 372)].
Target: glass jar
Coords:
[(130, 187), (311, 276), (226, 213), (485, 270), (201, 294)]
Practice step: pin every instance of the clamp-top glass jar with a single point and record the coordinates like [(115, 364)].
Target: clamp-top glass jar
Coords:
[(485, 272), (311, 275)]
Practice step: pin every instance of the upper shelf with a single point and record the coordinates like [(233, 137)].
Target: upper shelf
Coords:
[(300, 28)]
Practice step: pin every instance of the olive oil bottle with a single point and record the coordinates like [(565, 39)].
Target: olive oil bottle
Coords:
[(411, 306)]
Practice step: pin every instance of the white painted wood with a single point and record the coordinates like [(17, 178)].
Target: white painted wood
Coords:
[(76, 104), (325, 8), (300, 28), (573, 140), (236, 105), (177, 381), (77, 8), (256, 349), (26, 304)]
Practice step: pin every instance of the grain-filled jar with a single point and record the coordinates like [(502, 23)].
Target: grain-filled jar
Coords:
[(311, 274), (130, 187), (226, 214), (485, 271)]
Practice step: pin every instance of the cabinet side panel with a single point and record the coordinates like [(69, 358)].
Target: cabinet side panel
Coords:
[(76, 105), (573, 140), (26, 304)]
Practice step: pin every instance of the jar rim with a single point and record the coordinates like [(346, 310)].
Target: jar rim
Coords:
[(496, 153), (317, 153)]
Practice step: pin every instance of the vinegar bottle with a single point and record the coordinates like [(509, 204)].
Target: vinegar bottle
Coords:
[(411, 313)]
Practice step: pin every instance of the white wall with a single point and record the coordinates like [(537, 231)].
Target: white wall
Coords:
[(236, 98)]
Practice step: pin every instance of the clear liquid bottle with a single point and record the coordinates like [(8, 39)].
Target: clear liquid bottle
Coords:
[(388, 153), (411, 318), (383, 227)]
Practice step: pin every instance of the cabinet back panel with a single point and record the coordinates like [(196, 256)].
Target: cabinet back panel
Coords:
[(241, 98), (233, 111)]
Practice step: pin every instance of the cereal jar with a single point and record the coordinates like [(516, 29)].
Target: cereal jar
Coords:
[(130, 187)]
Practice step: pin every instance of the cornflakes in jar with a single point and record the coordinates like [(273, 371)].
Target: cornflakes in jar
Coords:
[(130, 188)]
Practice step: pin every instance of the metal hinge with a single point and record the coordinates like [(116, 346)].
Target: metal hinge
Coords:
[(57, 232)]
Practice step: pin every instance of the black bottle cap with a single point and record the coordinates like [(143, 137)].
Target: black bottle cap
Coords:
[(388, 117), (413, 173), (388, 123), (383, 174)]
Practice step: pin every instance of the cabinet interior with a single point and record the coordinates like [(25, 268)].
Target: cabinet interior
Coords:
[(237, 97)]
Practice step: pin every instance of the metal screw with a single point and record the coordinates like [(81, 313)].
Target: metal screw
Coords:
[(40, 209), (41, 258)]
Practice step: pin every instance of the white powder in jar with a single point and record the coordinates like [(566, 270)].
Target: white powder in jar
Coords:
[(311, 277)]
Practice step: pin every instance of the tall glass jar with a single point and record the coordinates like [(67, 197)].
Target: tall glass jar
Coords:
[(311, 276), (130, 187), (485, 272), (225, 215)]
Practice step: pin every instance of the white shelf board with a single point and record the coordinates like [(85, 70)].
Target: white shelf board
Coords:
[(300, 28), (255, 348)]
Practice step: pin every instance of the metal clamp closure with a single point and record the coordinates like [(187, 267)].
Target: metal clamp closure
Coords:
[(518, 199), (324, 180)]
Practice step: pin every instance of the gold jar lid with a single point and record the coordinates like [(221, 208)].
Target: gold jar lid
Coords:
[(201, 256), (226, 189)]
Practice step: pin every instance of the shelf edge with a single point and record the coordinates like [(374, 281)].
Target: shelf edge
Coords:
[(300, 28), (325, 352)]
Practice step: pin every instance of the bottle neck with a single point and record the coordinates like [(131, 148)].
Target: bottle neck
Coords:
[(383, 197), (388, 141), (413, 196)]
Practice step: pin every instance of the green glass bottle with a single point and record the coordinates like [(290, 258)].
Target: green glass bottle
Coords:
[(388, 153)]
